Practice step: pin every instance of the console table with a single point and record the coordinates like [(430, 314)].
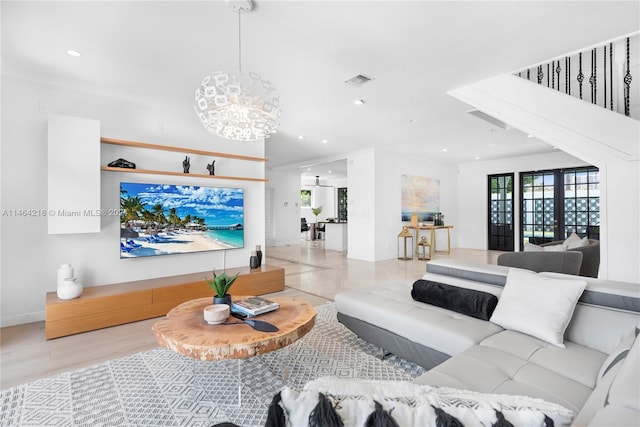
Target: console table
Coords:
[(109, 305), (432, 236)]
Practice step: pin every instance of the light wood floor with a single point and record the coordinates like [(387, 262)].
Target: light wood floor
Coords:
[(311, 272)]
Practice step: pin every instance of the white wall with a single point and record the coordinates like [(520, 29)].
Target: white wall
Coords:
[(30, 256), (285, 187), (361, 204), (389, 170), (375, 200)]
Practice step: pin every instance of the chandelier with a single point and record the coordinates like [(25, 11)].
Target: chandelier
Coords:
[(236, 105)]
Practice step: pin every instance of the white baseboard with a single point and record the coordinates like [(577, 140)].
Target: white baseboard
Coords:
[(21, 319)]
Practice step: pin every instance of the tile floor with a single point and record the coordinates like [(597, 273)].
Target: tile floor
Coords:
[(311, 272)]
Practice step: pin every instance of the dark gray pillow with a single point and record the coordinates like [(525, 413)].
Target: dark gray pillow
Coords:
[(470, 302)]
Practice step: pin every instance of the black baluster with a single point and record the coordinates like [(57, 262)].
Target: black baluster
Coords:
[(580, 76), (558, 70), (592, 79), (540, 74), (595, 75), (627, 83), (566, 75), (611, 73), (528, 76), (604, 103), (553, 75), (547, 75)]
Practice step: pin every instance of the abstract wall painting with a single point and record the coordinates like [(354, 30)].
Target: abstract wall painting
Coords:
[(420, 196)]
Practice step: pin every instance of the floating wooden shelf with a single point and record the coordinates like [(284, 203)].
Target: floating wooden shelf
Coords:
[(193, 175), (178, 149), (147, 146)]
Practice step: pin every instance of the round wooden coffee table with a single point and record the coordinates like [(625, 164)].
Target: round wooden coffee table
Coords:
[(185, 331)]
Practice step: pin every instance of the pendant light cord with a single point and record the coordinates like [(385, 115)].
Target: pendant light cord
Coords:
[(239, 43)]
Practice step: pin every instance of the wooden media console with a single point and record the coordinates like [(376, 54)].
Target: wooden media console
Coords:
[(110, 305)]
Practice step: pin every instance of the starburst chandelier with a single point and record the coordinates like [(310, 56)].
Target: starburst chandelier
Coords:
[(236, 105)]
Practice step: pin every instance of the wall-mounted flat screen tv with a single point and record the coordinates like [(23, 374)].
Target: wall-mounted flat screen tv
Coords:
[(161, 219)]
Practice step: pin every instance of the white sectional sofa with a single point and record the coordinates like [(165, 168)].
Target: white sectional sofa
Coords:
[(594, 370)]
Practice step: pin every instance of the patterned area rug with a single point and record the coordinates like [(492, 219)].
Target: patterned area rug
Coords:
[(162, 388)]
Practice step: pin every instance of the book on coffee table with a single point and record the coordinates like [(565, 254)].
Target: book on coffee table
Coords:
[(255, 305)]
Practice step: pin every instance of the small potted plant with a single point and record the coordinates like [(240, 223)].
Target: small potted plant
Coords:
[(314, 227), (221, 284), (317, 211)]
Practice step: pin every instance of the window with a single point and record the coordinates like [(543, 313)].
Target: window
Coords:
[(305, 198), (342, 204)]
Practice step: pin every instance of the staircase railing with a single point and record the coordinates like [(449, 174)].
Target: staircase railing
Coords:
[(602, 74)]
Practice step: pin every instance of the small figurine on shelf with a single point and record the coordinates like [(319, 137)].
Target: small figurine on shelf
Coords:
[(186, 164), (122, 163), (211, 168)]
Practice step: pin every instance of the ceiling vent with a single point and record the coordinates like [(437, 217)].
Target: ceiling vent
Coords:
[(484, 116), (358, 80)]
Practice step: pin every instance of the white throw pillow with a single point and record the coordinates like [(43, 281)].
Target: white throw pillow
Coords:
[(555, 248), (537, 305), (574, 241), (530, 247)]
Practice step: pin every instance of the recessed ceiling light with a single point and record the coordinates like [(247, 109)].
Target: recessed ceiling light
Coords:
[(359, 101), (300, 136), (477, 158), (72, 52), (329, 171), (308, 169), (529, 136), (324, 141), (444, 149)]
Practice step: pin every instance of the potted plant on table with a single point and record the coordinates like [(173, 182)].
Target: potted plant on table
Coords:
[(314, 229), (221, 284), (317, 211)]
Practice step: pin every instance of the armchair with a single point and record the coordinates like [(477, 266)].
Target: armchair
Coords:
[(590, 256)]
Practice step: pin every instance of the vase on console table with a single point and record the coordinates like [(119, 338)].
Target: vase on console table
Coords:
[(67, 286), (259, 254), (253, 260)]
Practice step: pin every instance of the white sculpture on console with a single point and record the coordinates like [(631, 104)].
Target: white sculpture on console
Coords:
[(68, 287)]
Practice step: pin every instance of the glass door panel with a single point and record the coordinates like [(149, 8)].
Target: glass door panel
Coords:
[(538, 207), (582, 202), (501, 212)]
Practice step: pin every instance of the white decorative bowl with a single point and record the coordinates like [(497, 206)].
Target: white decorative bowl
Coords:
[(216, 313)]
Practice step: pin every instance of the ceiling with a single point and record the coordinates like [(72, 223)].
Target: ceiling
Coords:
[(415, 51)]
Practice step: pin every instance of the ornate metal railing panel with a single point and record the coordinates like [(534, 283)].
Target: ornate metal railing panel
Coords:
[(603, 75)]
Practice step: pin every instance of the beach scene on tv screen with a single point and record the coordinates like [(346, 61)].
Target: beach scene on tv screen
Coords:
[(161, 219)]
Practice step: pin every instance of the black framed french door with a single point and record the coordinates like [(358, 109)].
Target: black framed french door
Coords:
[(500, 216), (558, 202)]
